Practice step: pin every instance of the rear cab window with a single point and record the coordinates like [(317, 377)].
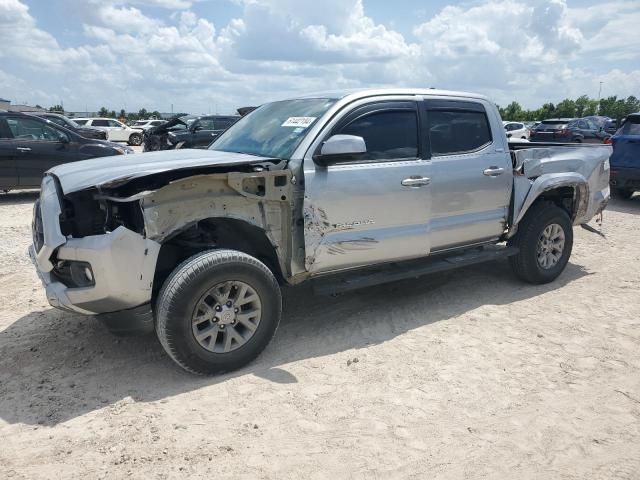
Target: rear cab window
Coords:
[(457, 127)]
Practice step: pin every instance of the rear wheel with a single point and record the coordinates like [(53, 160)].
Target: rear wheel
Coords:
[(545, 240), (135, 139), (622, 193), (217, 311)]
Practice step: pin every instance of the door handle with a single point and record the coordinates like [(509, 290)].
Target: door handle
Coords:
[(493, 171), (24, 149), (416, 181)]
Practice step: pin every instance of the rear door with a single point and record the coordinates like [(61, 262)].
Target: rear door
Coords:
[(8, 152), (471, 178)]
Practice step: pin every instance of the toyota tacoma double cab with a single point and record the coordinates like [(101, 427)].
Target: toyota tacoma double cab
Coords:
[(342, 190)]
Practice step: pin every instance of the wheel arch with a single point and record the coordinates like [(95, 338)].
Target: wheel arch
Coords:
[(220, 233), (569, 191)]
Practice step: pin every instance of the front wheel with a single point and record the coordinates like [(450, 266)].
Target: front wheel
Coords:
[(545, 240), (135, 139), (217, 311)]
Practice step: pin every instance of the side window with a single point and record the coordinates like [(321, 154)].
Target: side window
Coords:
[(57, 120), (457, 131), (518, 126), (388, 134), (583, 125), (29, 129), (100, 123), (508, 127), (223, 123), (206, 123), (113, 123), (80, 122), (5, 131)]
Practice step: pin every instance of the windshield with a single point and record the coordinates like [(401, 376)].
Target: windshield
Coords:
[(140, 123), (275, 129)]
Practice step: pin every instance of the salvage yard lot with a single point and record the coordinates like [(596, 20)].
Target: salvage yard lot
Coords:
[(468, 374)]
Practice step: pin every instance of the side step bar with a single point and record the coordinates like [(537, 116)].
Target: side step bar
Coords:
[(392, 272)]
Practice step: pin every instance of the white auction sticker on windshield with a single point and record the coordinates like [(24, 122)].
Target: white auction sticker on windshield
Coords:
[(303, 122)]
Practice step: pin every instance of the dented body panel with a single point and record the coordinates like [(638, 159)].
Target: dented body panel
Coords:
[(585, 169), (133, 219)]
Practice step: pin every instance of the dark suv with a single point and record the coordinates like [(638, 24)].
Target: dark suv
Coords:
[(188, 131), (69, 124), (567, 130), (29, 146)]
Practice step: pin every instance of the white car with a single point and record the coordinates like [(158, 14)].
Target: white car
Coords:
[(516, 130), (147, 124), (116, 131)]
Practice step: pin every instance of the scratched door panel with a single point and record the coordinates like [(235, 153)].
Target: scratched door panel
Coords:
[(362, 214)]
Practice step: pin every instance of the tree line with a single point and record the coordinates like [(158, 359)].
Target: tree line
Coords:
[(583, 106), (142, 114)]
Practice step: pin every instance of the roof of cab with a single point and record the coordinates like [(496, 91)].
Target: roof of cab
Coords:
[(373, 92)]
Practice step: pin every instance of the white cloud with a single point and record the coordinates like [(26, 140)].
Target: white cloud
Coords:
[(537, 51)]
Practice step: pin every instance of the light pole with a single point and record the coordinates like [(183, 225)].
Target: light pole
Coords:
[(599, 92)]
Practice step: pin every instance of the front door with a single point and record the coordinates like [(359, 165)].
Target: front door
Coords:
[(203, 133), (376, 208), (470, 177), (8, 151), (38, 148)]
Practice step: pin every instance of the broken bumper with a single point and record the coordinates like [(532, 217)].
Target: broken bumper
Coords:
[(120, 265)]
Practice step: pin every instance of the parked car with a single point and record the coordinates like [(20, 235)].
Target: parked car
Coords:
[(516, 130), (147, 124), (611, 126), (567, 130), (625, 160), (116, 130), (188, 131), (343, 190), (29, 146), (73, 126)]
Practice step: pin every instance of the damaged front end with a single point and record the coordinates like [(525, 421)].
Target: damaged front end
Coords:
[(108, 247)]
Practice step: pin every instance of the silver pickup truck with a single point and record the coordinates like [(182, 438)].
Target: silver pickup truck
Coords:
[(345, 190)]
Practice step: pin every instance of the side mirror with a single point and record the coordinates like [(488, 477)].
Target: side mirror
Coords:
[(340, 147), (195, 128), (509, 135), (62, 138)]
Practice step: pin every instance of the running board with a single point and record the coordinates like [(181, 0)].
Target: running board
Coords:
[(392, 272)]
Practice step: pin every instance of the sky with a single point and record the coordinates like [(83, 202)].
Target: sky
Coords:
[(212, 56)]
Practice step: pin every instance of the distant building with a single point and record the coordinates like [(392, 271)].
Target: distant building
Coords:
[(21, 108), (4, 104)]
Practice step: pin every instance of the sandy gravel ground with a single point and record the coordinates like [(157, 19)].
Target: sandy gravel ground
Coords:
[(468, 374)]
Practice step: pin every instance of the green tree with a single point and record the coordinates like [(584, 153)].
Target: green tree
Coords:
[(103, 112), (566, 108), (143, 114), (56, 109), (112, 114), (156, 114), (513, 111)]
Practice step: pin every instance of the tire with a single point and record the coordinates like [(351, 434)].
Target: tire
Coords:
[(135, 139), (189, 288), (622, 193), (528, 264)]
